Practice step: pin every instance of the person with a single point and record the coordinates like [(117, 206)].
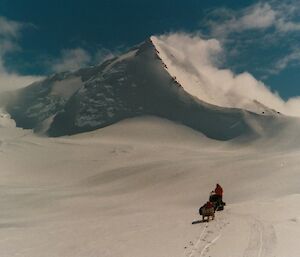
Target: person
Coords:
[(219, 197), (219, 191)]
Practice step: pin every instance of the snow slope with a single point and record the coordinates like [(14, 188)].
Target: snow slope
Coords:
[(133, 189)]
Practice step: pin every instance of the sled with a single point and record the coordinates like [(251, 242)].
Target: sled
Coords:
[(207, 213)]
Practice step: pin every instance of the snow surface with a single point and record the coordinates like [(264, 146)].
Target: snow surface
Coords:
[(133, 189)]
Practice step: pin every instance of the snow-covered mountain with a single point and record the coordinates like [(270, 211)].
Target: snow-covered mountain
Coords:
[(140, 82), (133, 189)]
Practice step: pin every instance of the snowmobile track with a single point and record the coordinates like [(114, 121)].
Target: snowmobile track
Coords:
[(262, 240), (209, 235)]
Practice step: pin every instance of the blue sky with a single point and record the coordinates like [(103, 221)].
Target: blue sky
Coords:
[(48, 36)]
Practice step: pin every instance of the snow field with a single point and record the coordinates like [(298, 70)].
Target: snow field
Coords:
[(133, 189)]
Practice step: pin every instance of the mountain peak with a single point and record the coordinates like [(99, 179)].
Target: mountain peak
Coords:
[(139, 82)]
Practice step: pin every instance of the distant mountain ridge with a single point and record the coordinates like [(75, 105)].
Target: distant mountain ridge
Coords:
[(134, 84)]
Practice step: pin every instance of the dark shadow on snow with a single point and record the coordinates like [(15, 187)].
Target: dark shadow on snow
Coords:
[(198, 221)]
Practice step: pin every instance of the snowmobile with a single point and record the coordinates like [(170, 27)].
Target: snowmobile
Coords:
[(217, 202)]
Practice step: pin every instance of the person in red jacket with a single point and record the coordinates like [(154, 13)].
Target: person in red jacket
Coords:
[(219, 191), (218, 195)]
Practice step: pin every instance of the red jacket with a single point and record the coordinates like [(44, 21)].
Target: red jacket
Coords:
[(219, 190)]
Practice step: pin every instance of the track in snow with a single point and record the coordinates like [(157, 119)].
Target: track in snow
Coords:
[(209, 235), (261, 243)]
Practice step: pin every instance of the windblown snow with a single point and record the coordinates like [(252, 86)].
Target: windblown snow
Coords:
[(196, 64), (134, 188)]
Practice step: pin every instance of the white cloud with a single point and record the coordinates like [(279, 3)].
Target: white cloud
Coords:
[(273, 24), (281, 64), (260, 16), (9, 28), (9, 33), (193, 61), (287, 26), (74, 59), (71, 60), (12, 81), (102, 55)]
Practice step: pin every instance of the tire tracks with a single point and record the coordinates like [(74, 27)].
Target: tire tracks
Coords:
[(209, 235), (262, 240)]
